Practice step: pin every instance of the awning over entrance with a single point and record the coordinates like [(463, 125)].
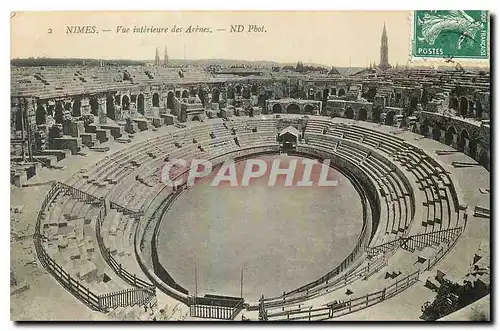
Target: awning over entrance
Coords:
[(290, 130)]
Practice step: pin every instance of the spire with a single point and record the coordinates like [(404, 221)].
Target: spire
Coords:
[(165, 60), (384, 51), (157, 57)]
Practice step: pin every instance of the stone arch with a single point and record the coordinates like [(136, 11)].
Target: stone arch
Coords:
[(309, 109), (318, 96), (184, 94), (40, 115), (349, 113), (376, 114), (19, 119), (341, 92), (156, 99), (370, 94), (76, 110), (448, 137), (424, 128), (237, 89), (389, 118), (245, 93), (230, 92), (333, 91), (255, 89), (125, 102), (436, 132), (461, 139), (362, 116), (293, 108), (196, 118), (479, 109), (118, 99), (59, 113), (413, 104), (177, 94), (170, 100), (110, 107), (326, 93), (94, 106), (454, 103), (464, 106), (140, 104), (192, 92), (215, 95), (277, 109)]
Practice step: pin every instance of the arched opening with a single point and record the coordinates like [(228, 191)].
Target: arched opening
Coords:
[(177, 94), (156, 99), (170, 100), (473, 148), (59, 113), (293, 109), (196, 118), (333, 91), (484, 159), (362, 114), (237, 89), (118, 100), (246, 93), (413, 104), (140, 103), (448, 137), (376, 114), (185, 94), (341, 92), (133, 98), (110, 107), (40, 115), (230, 92), (464, 106), (370, 94), (424, 128), (192, 92), (215, 95), (125, 103), (255, 89), (326, 93), (94, 106), (261, 102), (461, 142), (77, 108), (349, 113), (309, 109), (436, 132), (479, 109), (389, 118), (454, 103), (19, 119), (318, 96), (277, 108)]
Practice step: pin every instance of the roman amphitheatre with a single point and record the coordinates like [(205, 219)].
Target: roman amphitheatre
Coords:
[(96, 235)]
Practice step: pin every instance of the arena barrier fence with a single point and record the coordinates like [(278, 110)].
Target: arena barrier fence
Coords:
[(417, 241), (215, 306), (98, 302), (344, 307)]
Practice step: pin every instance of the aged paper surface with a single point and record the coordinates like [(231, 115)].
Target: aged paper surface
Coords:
[(261, 166)]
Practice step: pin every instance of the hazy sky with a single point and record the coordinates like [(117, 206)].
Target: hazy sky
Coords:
[(327, 37)]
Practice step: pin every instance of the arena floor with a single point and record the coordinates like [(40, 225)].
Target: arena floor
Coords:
[(282, 237)]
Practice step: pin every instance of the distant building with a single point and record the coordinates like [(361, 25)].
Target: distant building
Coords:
[(384, 52)]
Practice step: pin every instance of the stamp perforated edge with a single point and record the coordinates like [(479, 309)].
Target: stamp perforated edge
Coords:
[(428, 61)]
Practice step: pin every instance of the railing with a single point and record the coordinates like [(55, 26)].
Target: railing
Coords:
[(98, 302), (336, 308), (126, 298), (124, 210), (417, 241), (213, 306)]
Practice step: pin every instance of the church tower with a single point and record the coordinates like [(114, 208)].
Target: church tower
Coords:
[(165, 59), (384, 51), (157, 58)]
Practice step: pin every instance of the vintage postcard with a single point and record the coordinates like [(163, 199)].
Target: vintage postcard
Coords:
[(250, 166)]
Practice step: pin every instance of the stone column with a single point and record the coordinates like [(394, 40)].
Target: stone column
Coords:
[(101, 112), (443, 136), (466, 146), (85, 106), (133, 111), (148, 103), (429, 133), (454, 143)]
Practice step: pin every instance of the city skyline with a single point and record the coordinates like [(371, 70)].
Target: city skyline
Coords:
[(297, 40)]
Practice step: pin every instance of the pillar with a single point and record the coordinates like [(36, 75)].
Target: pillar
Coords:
[(85, 106), (442, 138), (466, 147), (101, 112), (429, 133), (454, 143)]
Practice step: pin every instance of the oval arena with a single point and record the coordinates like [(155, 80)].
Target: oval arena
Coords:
[(95, 227)]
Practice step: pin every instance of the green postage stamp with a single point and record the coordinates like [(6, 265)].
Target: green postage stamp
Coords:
[(450, 34)]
